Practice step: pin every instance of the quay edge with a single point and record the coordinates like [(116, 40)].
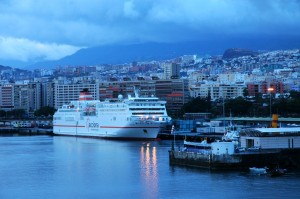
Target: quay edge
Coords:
[(239, 161), (25, 131)]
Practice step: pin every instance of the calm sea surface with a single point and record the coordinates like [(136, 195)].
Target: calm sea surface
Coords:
[(68, 167)]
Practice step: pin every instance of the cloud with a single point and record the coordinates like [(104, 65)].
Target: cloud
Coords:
[(66, 24), (129, 9), (26, 50)]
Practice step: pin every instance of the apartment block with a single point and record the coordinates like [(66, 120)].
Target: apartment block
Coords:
[(171, 70), (217, 91), (65, 93), (7, 96), (21, 97)]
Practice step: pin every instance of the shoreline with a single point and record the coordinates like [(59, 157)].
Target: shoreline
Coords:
[(25, 131)]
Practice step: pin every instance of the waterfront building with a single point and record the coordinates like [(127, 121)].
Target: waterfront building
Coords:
[(48, 94), (34, 96), (65, 93), (21, 98), (7, 96), (270, 138)]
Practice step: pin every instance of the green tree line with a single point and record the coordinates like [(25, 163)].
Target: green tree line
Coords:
[(20, 113), (258, 106)]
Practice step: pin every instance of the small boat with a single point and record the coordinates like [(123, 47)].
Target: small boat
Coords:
[(276, 172), (258, 171)]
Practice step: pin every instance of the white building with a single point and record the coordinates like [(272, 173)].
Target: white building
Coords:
[(217, 91), (232, 78), (270, 138), (65, 93)]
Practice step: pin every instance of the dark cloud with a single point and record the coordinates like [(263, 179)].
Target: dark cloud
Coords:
[(94, 22)]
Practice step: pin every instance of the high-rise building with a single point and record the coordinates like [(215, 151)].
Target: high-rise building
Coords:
[(65, 93), (171, 70), (175, 92), (48, 94), (7, 96), (34, 96), (21, 96)]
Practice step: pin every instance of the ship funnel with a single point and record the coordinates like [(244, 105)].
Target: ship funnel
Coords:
[(274, 121), (85, 95)]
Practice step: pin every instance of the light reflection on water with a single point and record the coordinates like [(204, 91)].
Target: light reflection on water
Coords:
[(149, 169), (68, 167)]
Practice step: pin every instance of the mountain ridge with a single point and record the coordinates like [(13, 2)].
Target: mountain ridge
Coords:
[(120, 54), (126, 53)]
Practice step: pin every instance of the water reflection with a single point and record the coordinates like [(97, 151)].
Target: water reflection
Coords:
[(66, 167), (148, 161)]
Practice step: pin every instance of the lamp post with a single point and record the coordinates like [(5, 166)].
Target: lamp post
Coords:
[(270, 91)]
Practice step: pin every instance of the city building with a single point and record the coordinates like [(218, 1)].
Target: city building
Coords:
[(6, 97), (217, 90), (65, 93), (171, 70)]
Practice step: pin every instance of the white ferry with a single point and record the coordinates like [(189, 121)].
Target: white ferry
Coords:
[(131, 118)]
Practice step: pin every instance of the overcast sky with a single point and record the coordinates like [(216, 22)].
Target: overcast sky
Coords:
[(51, 29)]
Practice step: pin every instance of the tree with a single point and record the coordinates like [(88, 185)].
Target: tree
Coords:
[(2, 113), (45, 111), (16, 113), (295, 95), (196, 105), (245, 92), (238, 106)]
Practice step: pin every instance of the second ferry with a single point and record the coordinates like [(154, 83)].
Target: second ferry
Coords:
[(131, 118)]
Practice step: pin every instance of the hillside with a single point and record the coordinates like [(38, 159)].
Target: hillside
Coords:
[(237, 52)]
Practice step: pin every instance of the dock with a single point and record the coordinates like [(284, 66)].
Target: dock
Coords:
[(287, 158), (8, 131)]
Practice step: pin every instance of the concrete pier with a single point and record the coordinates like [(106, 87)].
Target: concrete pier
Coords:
[(238, 161)]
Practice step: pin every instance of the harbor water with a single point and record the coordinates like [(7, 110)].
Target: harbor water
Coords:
[(70, 167)]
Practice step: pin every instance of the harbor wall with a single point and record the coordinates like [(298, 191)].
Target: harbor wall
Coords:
[(203, 160), (289, 158), (25, 131)]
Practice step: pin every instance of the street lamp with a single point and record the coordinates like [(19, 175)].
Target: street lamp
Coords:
[(270, 91)]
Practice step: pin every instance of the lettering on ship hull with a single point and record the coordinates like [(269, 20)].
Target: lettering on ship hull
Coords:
[(94, 125)]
